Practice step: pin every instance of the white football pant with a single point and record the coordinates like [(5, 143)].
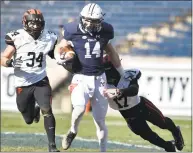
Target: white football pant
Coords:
[(85, 88)]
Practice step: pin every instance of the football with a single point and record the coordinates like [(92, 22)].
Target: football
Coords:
[(67, 52)]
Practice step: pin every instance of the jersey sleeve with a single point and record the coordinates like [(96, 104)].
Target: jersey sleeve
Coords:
[(108, 31), (66, 34), (10, 38), (55, 40)]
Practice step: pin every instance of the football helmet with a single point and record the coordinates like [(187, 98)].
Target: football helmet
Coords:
[(33, 22), (91, 18)]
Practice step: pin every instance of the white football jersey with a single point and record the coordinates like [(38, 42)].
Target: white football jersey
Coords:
[(124, 103), (33, 54)]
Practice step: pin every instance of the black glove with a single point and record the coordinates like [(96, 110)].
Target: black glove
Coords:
[(15, 63)]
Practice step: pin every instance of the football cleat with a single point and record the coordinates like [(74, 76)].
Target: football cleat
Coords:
[(179, 141), (37, 114), (52, 148), (66, 142), (170, 146)]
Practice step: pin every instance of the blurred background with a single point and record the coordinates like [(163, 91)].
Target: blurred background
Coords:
[(154, 36)]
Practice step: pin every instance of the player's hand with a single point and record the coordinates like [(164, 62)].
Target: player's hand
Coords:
[(17, 62), (111, 93), (63, 61)]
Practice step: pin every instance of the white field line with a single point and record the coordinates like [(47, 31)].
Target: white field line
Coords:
[(94, 140)]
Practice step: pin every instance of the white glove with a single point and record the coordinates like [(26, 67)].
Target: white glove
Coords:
[(60, 59), (111, 93)]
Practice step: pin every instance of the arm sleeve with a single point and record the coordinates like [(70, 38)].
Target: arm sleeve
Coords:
[(51, 52), (132, 90), (9, 41)]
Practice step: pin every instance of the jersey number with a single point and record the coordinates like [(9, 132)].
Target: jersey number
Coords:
[(96, 50), (119, 105), (38, 59)]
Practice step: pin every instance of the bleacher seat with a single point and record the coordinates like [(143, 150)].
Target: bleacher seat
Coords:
[(125, 16)]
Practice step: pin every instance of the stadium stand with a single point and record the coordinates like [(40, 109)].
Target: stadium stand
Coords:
[(141, 28)]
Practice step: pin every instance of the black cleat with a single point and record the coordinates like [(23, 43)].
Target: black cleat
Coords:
[(179, 141), (52, 148), (170, 146), (66, 142), (37, 114)]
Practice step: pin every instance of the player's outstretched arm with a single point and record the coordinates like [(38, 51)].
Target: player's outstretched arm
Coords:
[(114, 58), (6, 56)]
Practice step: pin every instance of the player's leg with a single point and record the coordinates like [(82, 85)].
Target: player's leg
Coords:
[(43, 96), (140, 127), (99, 109), (26, 103), (79, 100), (36, 113), (155, 116)]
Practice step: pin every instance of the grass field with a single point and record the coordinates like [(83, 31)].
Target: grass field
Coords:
[(118, 131)]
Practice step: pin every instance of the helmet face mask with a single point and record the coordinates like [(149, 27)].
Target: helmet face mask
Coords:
[(91, 18), (34, 24), (91, 25)]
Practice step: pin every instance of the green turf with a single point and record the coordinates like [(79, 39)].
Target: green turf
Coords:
[(13, 122)]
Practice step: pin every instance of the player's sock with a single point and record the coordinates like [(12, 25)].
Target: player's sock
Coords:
[(176, 132), (170, 125), (102, 134), (154, 139), (49, 125), (36, 114), (77, 113)]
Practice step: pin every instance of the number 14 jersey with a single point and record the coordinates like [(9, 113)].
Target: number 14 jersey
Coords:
[(89, 47), (32, 55)]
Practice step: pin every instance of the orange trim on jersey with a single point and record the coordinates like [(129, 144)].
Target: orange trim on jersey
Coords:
[(154, 109)]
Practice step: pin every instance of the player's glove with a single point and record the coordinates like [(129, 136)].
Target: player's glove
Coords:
[(111, 93), (15, 63)]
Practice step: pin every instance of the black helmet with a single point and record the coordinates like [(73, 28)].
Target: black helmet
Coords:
[(33, 22)]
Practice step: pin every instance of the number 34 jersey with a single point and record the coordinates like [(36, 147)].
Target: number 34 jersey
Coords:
[(31, 54)]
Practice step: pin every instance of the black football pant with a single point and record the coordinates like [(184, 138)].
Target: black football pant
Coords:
[(41, 93), (137, 116)]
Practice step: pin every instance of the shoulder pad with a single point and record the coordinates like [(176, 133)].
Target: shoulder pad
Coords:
[(11, 36), (108, 30), (69, 30)]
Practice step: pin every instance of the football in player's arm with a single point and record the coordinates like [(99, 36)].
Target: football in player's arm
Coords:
[(122, 94), (88, 38), (26, 52)]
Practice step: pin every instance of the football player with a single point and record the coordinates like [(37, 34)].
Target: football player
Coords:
[(122, 93), (88, 38), (26, 52)]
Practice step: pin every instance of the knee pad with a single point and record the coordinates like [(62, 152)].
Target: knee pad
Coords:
[(46, 112)]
